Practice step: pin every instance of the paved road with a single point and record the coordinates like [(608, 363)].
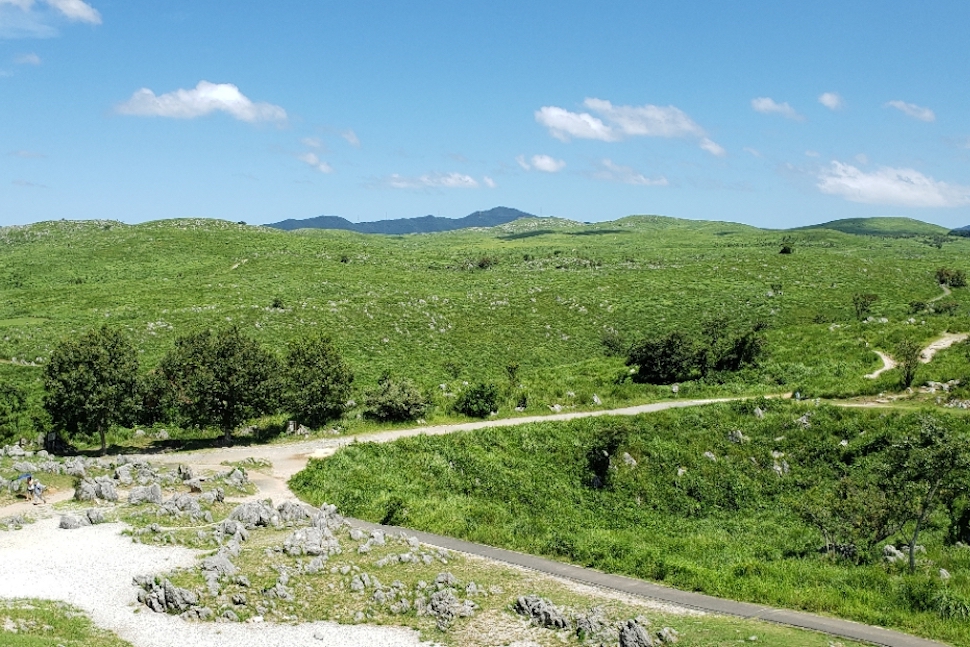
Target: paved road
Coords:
[(640, 588), (291, 458)]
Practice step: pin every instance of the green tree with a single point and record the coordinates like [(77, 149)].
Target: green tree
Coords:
[(221, 378), (908, 356), (918, 472), (863, 303), (13, 406), (91, 383), (675, 357), (317, 380)]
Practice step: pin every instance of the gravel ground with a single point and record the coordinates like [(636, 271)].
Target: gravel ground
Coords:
[(92, 568)]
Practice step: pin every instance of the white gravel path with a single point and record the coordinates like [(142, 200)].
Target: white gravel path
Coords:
[(92, 568)]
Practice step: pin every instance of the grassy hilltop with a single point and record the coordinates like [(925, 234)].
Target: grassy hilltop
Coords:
[(446, 308)]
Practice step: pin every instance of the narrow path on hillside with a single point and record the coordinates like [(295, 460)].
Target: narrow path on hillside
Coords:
[(946, 292), (944, 342), (888, 364)]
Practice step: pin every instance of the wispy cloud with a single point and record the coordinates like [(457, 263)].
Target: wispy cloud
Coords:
[(351, 138), (312, 142), (38, 18), (831, 100), (913, 110), (626, 175), (24, 154), (433, 181), (768, 106), (489, 182), (204, 99), (311, 159), (611, 123), (891, 186), (27, 59), (544, 163), (28, 185)]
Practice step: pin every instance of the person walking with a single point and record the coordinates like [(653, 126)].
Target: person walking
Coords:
[(35, 490)]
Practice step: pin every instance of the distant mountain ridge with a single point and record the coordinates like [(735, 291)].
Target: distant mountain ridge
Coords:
[(421, 225), (961, 231)]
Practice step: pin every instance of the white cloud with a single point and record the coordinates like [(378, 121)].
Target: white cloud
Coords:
[(831, 100), (713, 147), (351, 138), (311, 159), (27, 59), (204, 99), (862, 158), (614, 123), (489, 182), (76, 10), (543, 163), (563, 124), (767, 106), (913, 110), (311, 142), (626, 175), (811, 153), (891, 186), (433, 181), (30, 23), (753, 152)]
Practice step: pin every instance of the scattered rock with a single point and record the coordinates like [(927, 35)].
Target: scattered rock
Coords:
[(94, 516), (147, 494), (668, 635), (256, 513), (629, 460), (737, 437), (291, 512), (710, 456), (541, 611), (162, 596)]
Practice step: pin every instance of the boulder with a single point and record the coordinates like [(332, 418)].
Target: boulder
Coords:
[(541, 611), (311, 541), (292, 512), (147, 494), (633, 634), (94, 516), (73, 522), (86, 490), (106, 488), (256, 513)]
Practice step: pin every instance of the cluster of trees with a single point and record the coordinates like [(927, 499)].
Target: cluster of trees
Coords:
[(210, 378), (910, 481), (679, 356), (951, 278)]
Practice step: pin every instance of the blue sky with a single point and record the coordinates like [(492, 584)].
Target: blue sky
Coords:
[(773, 114)]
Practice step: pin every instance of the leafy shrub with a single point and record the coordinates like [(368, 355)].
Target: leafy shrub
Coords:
[(951, 278), (675, 357), (916, 307), (948, 307), (317, 380), (787, 249), (478, 400), (394, 401)]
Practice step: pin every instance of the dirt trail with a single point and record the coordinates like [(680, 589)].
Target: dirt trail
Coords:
[(888, 364), (944, 342), (946, 292)]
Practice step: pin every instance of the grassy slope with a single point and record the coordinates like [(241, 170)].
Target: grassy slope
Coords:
[(411, 305), (885, 226), (729, 528)]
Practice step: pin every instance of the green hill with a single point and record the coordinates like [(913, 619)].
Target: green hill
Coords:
[(890, 227), (554, 297)]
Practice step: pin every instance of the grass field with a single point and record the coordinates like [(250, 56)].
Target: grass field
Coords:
[(726, 524), (41, 623), (450, 308)]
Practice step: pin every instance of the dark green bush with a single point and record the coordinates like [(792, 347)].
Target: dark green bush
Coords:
[(478, 400), (394, 401)]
